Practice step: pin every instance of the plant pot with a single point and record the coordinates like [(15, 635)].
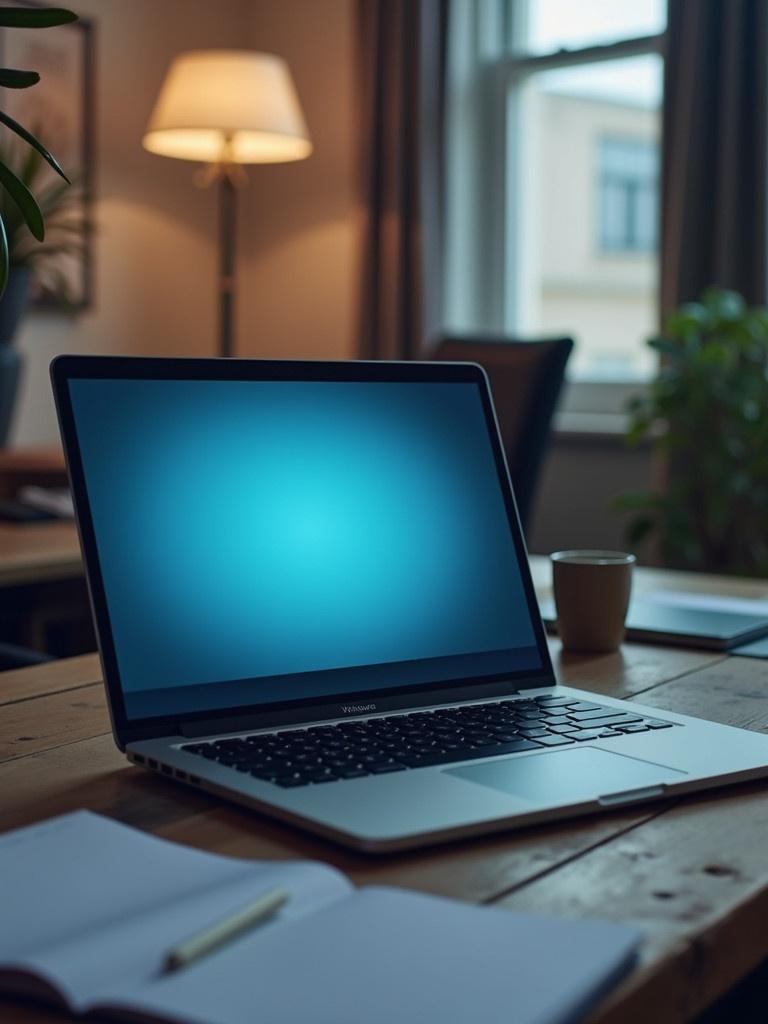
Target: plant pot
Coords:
[(14, 302)]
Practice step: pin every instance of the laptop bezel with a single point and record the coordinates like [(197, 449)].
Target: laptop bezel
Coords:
[(67, 368)]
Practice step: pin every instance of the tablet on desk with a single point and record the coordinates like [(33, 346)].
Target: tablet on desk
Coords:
[(655, 621)]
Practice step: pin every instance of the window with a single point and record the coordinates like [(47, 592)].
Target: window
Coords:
[(553, 177), (628, 195)]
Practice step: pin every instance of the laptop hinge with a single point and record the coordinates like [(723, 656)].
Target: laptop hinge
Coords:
[(213, 726)]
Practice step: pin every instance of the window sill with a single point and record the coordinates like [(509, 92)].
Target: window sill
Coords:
[(590, 424), (594, 429)]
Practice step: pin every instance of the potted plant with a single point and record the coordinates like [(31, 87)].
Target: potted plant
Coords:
[(32, 261), (17, 202), (706, 415)]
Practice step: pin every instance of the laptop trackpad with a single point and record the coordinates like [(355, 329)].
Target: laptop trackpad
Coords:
[(568, 776)]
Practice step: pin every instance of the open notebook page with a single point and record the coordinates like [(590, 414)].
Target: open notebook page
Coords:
[(91, 905), (383, 956)]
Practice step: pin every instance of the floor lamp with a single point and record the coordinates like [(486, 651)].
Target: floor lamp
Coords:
[(227, 108)]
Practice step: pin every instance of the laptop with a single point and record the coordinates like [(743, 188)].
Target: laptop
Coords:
[(312, 596)]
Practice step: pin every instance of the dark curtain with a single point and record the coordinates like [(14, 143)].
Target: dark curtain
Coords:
[(401, 75), (715, 171)]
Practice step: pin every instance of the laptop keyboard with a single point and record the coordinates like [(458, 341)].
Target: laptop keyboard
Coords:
[(377, 746)]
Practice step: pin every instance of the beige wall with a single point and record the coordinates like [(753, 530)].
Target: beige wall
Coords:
[(299, 283), (156, 245)]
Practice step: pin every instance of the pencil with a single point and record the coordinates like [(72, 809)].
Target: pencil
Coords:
[(212, 938)]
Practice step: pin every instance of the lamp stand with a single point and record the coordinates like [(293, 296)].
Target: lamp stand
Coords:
[(227, 217)]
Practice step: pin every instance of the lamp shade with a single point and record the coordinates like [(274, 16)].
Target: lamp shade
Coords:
[(236, 106)]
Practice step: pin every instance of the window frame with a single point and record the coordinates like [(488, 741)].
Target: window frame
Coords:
[(587, 404)]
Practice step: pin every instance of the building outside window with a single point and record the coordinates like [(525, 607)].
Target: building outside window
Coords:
[(558, 148)]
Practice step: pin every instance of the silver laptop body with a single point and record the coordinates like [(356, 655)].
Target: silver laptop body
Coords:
[(312, 597)]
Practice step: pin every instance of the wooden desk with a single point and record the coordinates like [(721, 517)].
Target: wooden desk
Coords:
[(43, 598), (38, 553), (692, 874), (42, 466), (35, 552)]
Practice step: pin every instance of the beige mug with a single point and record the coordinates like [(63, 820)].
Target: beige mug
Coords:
[(591, 591)]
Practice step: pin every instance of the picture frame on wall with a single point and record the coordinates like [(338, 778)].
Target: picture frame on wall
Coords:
[(59, 111)]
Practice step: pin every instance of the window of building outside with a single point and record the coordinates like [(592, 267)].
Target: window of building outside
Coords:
[(628, 169), (578, 136)]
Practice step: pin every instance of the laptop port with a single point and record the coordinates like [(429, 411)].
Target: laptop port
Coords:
[(139, 759), (166, 769), (180, 775), (194, 780), (153, 763)]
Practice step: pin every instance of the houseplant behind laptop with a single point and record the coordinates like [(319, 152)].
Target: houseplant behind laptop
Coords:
[(17, 199), (705, 414)]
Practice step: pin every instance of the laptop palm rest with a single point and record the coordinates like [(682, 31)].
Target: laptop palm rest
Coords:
[(569, 776)]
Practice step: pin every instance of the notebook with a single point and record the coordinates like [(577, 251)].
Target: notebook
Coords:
[(90, 907), (656, 620)]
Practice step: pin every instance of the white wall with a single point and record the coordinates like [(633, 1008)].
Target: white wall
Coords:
[(156, 246)]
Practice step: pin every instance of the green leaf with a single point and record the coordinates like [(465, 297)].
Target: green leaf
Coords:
[(10, 79), (666, 347), (639, 529), (724, 304), (4, 259), (35, 17), (25, 201), (28, 137)]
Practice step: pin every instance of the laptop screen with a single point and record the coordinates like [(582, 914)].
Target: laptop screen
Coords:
[(264, 541)]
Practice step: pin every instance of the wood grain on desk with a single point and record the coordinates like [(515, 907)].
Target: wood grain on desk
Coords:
[(692, 873)]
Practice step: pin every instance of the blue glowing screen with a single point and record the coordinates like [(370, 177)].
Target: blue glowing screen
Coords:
[(265, 541)]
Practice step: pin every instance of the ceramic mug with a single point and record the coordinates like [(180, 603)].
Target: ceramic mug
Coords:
[(591, 591)]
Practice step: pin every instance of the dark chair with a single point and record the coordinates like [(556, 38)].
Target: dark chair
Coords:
[(526, 378)]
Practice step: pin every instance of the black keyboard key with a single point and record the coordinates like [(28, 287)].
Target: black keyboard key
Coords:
[(552, 702), (638, 727), (588, 716), (320, 776), (582, 705), (353, 773), (383, 767), (654, 723), (585, 734), (610, 721), (554, 741)]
